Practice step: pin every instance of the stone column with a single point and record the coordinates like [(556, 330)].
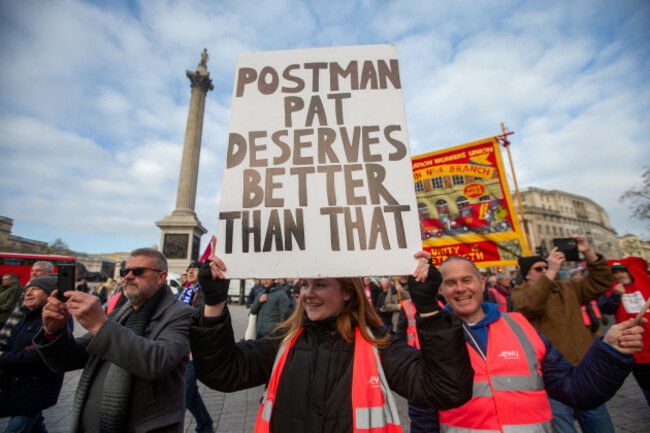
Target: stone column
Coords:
[(182, 230), (186, 196)]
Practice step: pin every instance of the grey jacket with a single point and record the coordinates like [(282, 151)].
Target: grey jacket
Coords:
[(157, 360), (271, 312)]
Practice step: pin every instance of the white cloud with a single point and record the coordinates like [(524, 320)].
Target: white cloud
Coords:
[(94, 97)]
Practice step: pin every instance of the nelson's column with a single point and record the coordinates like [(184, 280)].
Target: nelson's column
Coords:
[(182, 230)]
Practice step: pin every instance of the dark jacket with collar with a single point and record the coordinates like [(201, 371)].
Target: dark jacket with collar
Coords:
[(157, 360), (27, 386), (314, 394), (385, 316), (273, 311)]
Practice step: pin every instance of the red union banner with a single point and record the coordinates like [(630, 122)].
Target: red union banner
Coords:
[(465, 206)]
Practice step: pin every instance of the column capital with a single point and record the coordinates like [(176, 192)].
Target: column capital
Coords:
[(201, 81)]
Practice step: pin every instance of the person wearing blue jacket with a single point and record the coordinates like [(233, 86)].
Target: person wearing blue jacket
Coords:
[(27, 385), (589, 384)]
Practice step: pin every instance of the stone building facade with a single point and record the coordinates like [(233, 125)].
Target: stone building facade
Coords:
[(632, 245), (558, 214), (16, 244)]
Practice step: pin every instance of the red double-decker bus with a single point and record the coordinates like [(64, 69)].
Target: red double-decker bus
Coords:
[(21, 264)]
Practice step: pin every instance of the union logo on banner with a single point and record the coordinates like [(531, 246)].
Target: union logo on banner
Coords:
[(465, 206)]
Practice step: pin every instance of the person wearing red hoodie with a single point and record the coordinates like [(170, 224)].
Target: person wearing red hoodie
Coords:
[(630, 292)]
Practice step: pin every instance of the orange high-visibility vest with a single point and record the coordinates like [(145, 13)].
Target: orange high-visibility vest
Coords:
[(373, 407), (502, 301), (508, 393), (585, 315), (411, 332)]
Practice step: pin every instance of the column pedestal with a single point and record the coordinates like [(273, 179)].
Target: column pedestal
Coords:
[(180, 240)]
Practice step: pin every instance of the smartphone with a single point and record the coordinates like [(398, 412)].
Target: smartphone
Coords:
[(65, 280), (569, 247)]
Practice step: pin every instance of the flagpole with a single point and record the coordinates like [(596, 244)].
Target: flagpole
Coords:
[(504, 141)]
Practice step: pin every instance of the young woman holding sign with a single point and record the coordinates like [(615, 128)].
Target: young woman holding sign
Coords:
[(329, 367)]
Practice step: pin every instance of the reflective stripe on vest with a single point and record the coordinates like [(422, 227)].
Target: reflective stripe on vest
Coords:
[(372, 401), (508, 393), (585, 315), (501, 300), (411, 331), (373, 407)]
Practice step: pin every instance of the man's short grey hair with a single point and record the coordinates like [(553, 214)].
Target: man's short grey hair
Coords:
[(161, 260), (502, 275), (49, 266), (462, 259)]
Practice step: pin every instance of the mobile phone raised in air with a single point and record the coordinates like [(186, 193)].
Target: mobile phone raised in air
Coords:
[(65, 280), (569, 247)]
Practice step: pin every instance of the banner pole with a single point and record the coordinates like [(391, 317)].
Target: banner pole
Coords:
[(504, 141)]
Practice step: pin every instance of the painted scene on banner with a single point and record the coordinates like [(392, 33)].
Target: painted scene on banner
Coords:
[(465, 206), (317, 178)]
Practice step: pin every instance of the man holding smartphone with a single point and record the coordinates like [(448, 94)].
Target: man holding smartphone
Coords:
[(133, 360), (553, 308)]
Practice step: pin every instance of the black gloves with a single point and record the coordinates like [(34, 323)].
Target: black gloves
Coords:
[(214, 291), (424, 294)]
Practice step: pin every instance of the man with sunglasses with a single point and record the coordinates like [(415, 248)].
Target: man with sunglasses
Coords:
[(134, 359), (554, 308)]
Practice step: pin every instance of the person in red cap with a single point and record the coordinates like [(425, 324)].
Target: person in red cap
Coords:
[(625, 300)]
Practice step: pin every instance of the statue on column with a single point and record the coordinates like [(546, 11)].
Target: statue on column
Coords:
[(203, 64)]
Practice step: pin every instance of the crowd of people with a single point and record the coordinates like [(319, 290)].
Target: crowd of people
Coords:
[(470, 350)]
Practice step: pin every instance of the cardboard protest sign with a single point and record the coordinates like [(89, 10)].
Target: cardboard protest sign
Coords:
[(465, 205), (317, 176)]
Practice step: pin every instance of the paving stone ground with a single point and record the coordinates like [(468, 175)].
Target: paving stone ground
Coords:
[(236, 412)]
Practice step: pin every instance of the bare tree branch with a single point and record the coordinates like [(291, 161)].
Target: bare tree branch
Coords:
[(638, 199)]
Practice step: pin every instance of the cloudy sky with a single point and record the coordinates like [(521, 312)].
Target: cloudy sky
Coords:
[(94, 97)]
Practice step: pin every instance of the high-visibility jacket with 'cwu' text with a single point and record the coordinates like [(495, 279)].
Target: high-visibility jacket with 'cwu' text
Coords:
[(508, 394), (374, 411)]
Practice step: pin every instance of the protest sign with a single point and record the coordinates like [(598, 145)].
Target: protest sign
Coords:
[(465, 205), (317, 179)]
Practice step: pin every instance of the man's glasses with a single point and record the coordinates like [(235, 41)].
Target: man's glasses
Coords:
[(136, 271), (540, 268)]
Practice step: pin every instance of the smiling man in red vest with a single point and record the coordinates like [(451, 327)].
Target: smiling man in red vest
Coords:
[(516, 367)]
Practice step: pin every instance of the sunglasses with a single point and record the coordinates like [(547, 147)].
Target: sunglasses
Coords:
[(136, 271), (540, 268)]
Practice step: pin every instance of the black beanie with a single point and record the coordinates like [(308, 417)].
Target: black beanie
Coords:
[(525, 263), (46, 283)]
